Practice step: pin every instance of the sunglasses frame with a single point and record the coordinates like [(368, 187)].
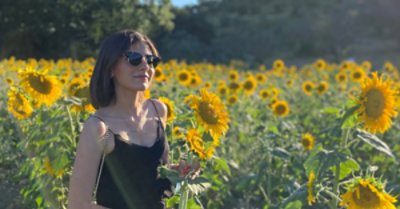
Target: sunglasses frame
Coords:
[(135, 58)]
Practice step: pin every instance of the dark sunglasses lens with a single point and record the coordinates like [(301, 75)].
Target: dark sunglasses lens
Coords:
[(152, 60), (135, 58)]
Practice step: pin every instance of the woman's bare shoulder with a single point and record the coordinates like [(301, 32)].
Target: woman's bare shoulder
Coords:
[(94, 126), (161, 107)]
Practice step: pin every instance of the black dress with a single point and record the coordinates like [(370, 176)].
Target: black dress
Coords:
[(129, 178)]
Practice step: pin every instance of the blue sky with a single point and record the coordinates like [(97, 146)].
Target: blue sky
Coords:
[(180, 3)]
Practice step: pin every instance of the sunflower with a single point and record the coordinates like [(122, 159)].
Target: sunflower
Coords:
[(232, 99), (234, 86), (289, 82), (261, 78), (358, 75), (308, 141), (159, 75), (50, 170), (223, 90), (377, 104), (322, 87), (310, 197), (177, 132), (341, 77), (366, 65), (43, 88), (264, 93), (183, 77), (210, 112), (278, 64), (10, 81), (275, 91), (307, 87), (364, 193), (280, 108), (249, 85), (233, 75), (207, 85), (18, 105), (320, 64), (197, 144), (170, 108), (195, 81), (388, 67)]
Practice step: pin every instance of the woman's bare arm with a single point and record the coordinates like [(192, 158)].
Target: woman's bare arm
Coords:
[(84, 173)]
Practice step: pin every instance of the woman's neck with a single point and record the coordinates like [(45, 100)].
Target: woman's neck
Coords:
[(128, 105)]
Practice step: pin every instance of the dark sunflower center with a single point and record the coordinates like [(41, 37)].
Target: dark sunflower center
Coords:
[(83, 93), (207, 113), (308, 87), (321, 88), (357, 75), (177, 132), (222, 91), (375, 103), (306, 142), (233, 85), (248, 85), (40, 84), (342, 77), (158, 73), (367, 198), (280, 109), (183, 77)]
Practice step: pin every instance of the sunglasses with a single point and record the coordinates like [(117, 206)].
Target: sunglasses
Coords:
[(135, 59)]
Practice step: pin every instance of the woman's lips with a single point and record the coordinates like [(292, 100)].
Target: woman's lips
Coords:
[(141, 77)]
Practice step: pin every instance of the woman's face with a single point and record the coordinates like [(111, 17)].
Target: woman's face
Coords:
[(130, 77)]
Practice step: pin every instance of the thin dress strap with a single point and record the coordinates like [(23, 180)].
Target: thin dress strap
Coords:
[(158, 115), (101, 119)]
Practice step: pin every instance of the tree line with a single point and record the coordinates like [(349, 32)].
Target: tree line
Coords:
[(255, 31)]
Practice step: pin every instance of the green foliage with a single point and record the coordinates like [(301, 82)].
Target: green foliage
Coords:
[(62, 28)]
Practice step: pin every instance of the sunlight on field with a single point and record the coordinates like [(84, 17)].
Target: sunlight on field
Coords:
[(313, 136)]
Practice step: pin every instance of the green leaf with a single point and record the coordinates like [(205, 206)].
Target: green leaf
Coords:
[(350, 121), (349, 118), (374, 141), (39, 201), (294, 205), (171, 174), (192, 204), (313, 162), (281, 153), (346, 168), (198, 185), (299, 194), (331, 110), (221, 164), (171, 202)]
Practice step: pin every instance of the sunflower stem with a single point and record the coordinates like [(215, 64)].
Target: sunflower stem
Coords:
[(184, 195), (336, 184), (71, 125)]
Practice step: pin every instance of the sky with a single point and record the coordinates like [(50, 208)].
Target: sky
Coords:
[(181, 3)]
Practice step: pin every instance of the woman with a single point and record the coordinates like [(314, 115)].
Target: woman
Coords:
[(126, 132)]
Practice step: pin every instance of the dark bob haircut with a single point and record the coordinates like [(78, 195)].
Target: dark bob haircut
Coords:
[(102, 89)]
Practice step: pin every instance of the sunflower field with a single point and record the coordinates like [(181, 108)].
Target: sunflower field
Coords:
[(321, 135)]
